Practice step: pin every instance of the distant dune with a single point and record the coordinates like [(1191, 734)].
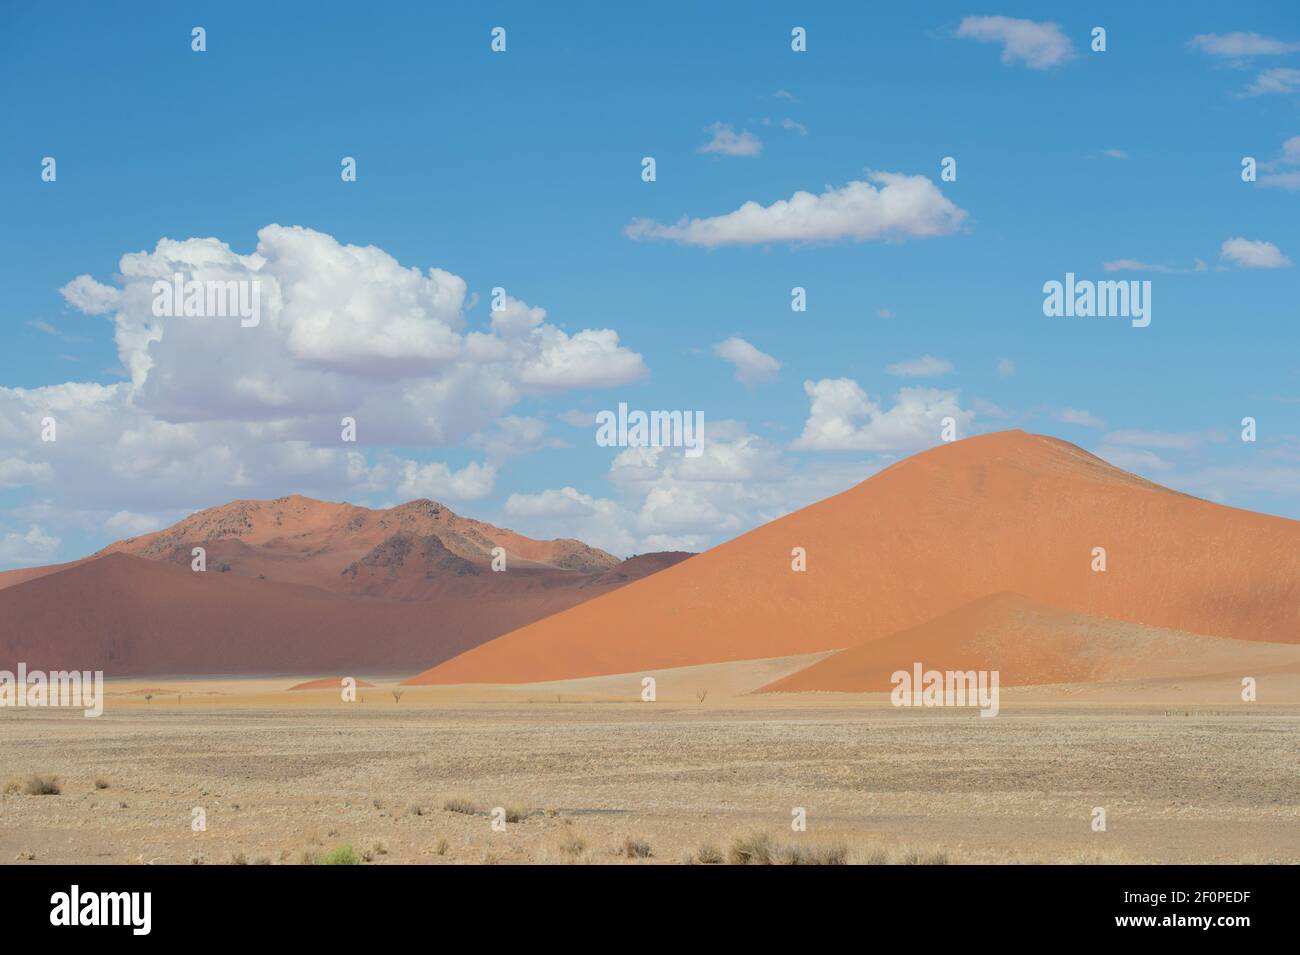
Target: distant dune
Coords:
[(1004, 512), (327, 683), (298, 586), (1029, 643)]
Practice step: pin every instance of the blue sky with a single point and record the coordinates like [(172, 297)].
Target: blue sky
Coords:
[(522, 170)]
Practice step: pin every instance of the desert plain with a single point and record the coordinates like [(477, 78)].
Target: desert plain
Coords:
[(589, 773)]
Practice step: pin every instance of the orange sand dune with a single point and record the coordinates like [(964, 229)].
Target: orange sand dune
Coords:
[(1031, 643), (1000, 512), (131, 616)]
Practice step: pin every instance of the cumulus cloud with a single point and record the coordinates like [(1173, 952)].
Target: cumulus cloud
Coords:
[(1240, 45), (213, 410), (1253, 254), (897, 206), (437, 480), (927, 366), (753, 367), (1037, 45), (727, 142), (844, 418)]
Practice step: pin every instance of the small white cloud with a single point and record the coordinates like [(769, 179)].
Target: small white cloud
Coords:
[(1165, 440), (1114, 154), (1277, 80), (844, 418), (127, 524), (1006, 368), (927, 366), (785, 95), (436, 480), (1254, 254), (886, 313), (727, 142), (1037, 45), (1080, 417), (794, 127), (1137, 265), (578, 419), (34, 547), (86, 295), (1275, 177), (1240, 44), (753, 367), (1133, 459), (902, 207)]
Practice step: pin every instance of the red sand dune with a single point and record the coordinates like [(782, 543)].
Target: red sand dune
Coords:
[(326, 683), (298, 586), (1000, 512), (1031, 643)]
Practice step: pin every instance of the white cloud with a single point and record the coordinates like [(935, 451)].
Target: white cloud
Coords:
[(1114, 154), (1080, 417), (727, 142), (438, 481), (1240, 44), (844, 418), (1277, 80), (902, 207), (17, 472), (1275, 177), (794, 127), (753, 367), (785, 95), (1254, 254), (886, 313), (927, 366), (215, 411), (36, 546), (1137, 265), (1165, 440), (1037, 45), (513, 436), (1133, 459), (578, 419), (86, 295), (1006, 368), (127, 524)]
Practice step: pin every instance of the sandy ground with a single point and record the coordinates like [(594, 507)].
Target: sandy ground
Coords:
[(1184, 771)]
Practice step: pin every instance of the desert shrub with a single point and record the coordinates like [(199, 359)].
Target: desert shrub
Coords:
[(342, 854), (34, 785), (637, 849), (708, 855), (755, 849), (815, 855), (456, 804), (101, 783), (573, 845), (516, 813), (917, 857)]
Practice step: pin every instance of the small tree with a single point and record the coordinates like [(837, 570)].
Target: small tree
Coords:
[(397, 696), (701, 695)]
